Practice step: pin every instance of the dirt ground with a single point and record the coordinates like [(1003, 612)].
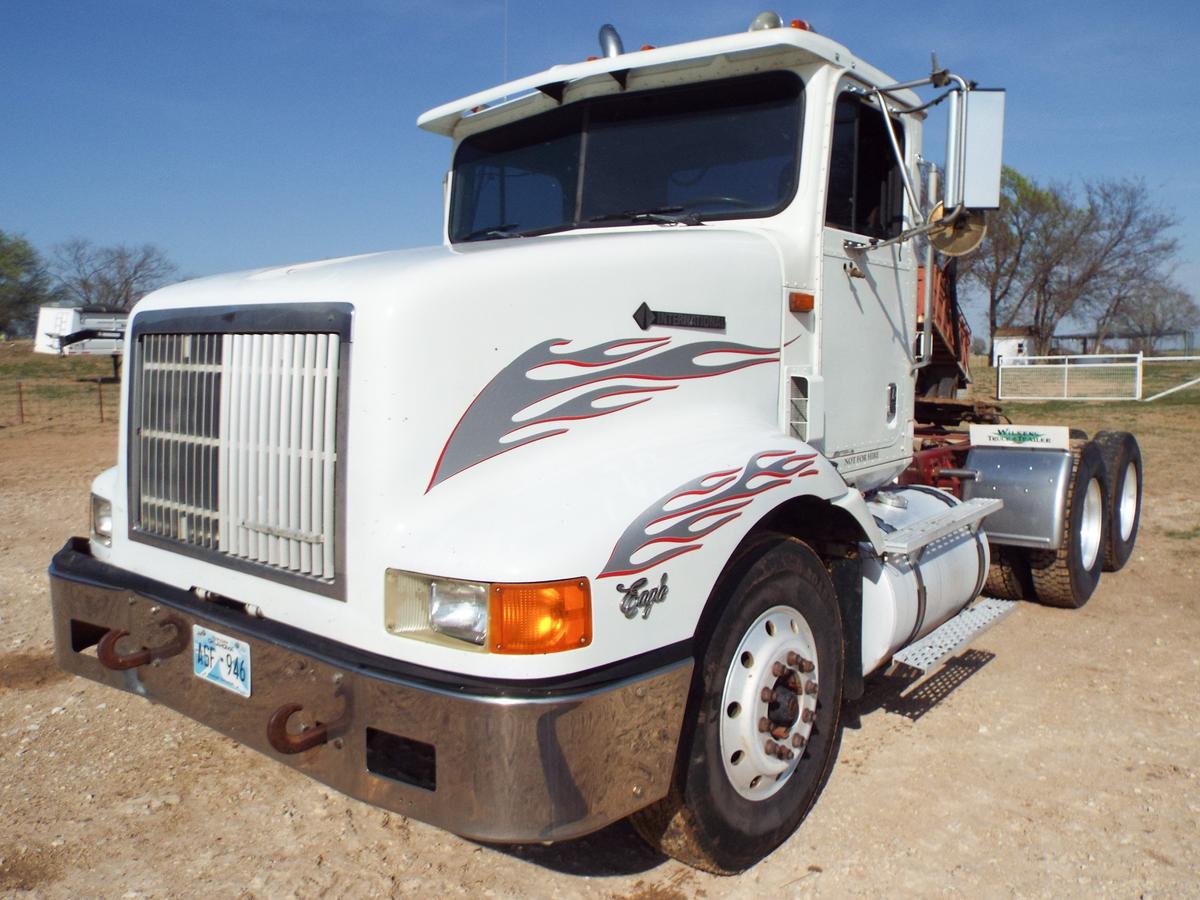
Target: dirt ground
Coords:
[(1057, 757)]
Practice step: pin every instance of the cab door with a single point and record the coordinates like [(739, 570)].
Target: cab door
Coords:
[(867, 326)]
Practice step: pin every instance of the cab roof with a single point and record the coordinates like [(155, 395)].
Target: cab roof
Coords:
[(547, 89)]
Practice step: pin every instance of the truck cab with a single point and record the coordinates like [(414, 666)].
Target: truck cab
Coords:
[(595, 509)]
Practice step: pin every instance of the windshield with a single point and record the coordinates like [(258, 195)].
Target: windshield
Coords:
[(719, 150)]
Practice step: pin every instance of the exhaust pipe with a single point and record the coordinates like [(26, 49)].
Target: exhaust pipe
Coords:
[(610, 41)]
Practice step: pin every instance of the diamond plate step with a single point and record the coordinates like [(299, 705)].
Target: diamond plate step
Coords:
[(947, 639), (926, 531)]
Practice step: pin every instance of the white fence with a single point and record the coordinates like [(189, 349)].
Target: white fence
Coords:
[(1097, 376)]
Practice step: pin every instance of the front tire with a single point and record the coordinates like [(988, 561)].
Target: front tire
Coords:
[(761, 727)]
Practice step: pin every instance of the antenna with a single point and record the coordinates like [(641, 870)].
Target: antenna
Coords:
[(505, 72)]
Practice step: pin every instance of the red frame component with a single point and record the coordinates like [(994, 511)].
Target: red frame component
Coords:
[(927, 465)]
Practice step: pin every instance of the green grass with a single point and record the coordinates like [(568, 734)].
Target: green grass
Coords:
[(1187, 534), (1182, 407), (19, 362), (37, 388)]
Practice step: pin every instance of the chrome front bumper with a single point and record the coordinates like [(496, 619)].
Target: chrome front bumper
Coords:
[(505, 764)]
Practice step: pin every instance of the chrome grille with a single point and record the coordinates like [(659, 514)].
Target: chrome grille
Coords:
[(178, 387), (236, 446)]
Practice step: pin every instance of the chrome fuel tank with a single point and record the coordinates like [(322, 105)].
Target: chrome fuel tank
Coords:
[(906, 597)]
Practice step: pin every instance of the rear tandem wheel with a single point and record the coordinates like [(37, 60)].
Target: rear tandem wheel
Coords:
[(1123, 478), (1067, 577)]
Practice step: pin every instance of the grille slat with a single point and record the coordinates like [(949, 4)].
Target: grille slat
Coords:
[(329, 458), (235, 447)]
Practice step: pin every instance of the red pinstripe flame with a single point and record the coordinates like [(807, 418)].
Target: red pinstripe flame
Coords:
[(657, 562), (727, 507), (615, 358)]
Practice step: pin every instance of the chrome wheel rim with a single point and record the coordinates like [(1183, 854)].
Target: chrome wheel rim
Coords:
[(769, 703), (1127, 508), (1091, 526)]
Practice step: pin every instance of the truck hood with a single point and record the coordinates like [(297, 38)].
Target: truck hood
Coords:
[(363, 278), (509, 418)]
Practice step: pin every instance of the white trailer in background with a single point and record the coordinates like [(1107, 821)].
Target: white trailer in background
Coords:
[(80, 331), (604, 506)]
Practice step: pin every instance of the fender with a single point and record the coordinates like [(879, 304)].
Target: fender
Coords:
[(651, 522)]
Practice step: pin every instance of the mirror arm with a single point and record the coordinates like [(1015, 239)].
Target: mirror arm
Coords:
[(918, 213), (925, 351)]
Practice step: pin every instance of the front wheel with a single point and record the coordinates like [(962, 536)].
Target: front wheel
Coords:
[(761, 727)]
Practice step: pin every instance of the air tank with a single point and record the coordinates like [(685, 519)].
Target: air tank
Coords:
[(905, 598)]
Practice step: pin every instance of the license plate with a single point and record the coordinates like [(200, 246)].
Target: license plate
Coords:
[(221, 660)]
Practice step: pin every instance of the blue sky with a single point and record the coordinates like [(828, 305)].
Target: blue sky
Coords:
[(242, 133)]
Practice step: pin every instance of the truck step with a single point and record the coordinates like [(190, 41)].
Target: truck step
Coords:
[(920, 534), (947, 639)]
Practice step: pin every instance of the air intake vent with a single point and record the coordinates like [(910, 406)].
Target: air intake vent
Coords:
[(798, 407), (234, 447)]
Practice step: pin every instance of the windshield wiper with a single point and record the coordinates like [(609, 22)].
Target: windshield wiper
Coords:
[(661, 215), (493, 231)]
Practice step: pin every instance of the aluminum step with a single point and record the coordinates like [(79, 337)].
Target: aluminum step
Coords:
[(947, 639), (909, 540)]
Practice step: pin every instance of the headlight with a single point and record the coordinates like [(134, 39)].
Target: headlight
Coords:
[(459, 609), (102, 525), (422, 606), (544, 617)]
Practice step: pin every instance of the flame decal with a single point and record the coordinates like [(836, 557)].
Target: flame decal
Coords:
[(498, 420), (712, 501)]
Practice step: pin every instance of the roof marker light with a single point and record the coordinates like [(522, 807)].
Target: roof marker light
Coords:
[(766, 20)]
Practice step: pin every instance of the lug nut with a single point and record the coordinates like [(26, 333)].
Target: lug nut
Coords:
[(767, 695), (764, 725), (805, 665), (810, 687), (797, 741), (807, 715), (793, 658), (779, 732), (770, 747), (782, 753), (778, 669)]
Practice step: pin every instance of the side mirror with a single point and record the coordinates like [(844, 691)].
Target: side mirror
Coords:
[(974, 147)]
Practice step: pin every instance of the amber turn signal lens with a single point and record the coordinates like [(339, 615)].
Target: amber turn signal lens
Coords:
[(540, 618), (799, 301)]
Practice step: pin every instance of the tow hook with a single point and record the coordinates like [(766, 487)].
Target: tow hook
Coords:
[(285, 742), (106, 649)]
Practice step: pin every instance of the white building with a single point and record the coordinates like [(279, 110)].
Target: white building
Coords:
[(1012, 343)]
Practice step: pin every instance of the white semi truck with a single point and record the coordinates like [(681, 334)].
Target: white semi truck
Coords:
[(603, 507)]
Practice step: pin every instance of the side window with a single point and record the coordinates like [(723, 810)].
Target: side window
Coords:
[(866, 192)]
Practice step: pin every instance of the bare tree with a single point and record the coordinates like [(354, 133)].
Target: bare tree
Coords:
[(1128, 251), (1153, 310), (114, 277), (1052, 255), (1018, 249)]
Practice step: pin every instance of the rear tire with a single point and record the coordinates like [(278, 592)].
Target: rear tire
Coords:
[(732, 802), (1008, 575), (1068, 576), (1123, 479)]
